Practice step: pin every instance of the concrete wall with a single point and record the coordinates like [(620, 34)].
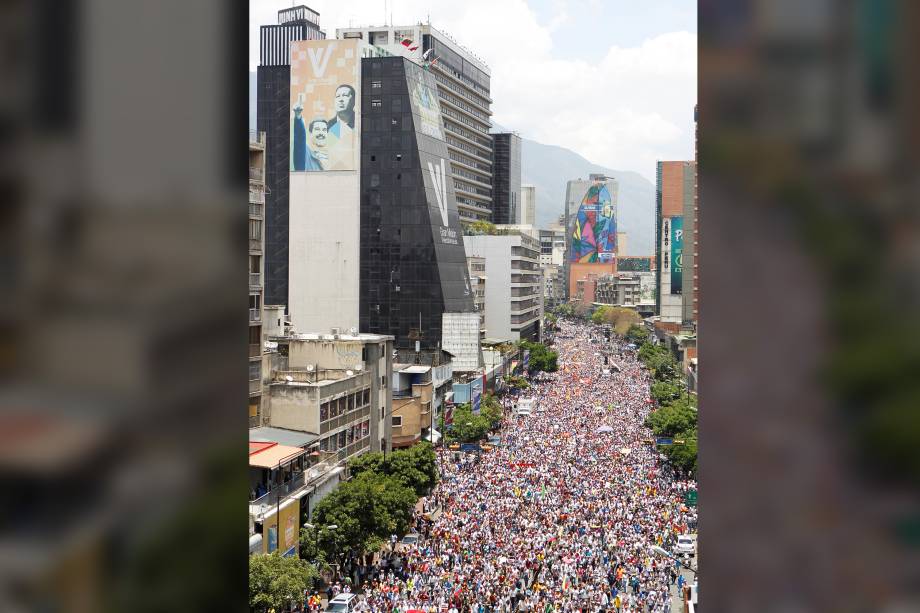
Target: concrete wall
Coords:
[(460, 337), (295, 407), (497, 252), (324, 257)]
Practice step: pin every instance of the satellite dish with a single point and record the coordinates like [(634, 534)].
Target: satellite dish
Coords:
[(359, 367), (289, 377), (352, 330), (349, 372), (310, 367)]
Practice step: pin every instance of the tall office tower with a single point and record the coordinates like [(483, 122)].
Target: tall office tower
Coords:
[(273, 110), (506, 179), (256, 294), (375, 238), (590, 229), (413, 266), (691, 283), (674, 190), (528, 205), (463, 83)]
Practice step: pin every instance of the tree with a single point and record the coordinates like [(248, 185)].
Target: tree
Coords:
[(366, 511), (637, 334), (479, 227), (671, 419), (684, 456), (467, 427), (492, 410), (660, 361), (415, 467), (542, 358), (275, 582), (664, 391)]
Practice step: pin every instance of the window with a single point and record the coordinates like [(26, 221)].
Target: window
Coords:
[(376, 103), (373, 158), (398, 157), (255, 229), (255, 263), (376, 84), (397, 421), (255, 371), (324, 411)]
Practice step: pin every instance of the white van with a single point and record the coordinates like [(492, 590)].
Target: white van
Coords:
[(343, 603), (524, 406)]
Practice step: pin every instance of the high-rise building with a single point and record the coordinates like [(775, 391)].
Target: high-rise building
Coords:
[(463, 83), (691, 285), (375, 238), (529, 205), (674, 192), (256, 293), (590, 229), (514, 290), (273, 117), (506, 179)]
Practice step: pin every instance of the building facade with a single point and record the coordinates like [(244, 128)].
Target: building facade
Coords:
[(273, 117), (691, 284), (590, 229), (463, 85), (514, 289), (335, 386), (413, 267), (478, 280), (529, 205), (506, 179), (256, 272), (674, 190), (413, 416)]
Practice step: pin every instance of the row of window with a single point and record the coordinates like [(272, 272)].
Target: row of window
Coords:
[(472, 190), (460, 117), (457, 157), (346, 437), (444, 81), (461, 145), (447, 96), (333, 408)]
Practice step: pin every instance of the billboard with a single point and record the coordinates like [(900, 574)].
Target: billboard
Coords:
[(634, 264), (594, 235), (677, 257), (425, 105), (325, 105), (476, 386)]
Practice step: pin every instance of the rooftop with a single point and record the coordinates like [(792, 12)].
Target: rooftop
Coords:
[(293, 438), (272, 455)]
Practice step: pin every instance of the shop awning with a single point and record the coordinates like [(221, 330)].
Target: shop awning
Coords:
[(274, 455)]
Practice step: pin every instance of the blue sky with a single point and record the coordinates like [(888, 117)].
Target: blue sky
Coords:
[(613, 80)]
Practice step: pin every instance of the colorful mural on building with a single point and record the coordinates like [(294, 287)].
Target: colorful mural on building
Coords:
[(594, 236)]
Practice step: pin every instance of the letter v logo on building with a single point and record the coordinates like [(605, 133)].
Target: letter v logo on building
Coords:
[(440, 188), (319, 58)]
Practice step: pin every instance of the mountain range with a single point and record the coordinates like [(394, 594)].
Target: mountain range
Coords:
[(549, 167)]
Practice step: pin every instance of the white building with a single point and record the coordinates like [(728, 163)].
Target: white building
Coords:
[(529, 205), (514, 291)]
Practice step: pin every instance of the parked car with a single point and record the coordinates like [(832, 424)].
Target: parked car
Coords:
[(343, 603), (686, 545), (407, 542)]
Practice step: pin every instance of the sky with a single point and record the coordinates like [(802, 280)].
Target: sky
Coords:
[(612, 80)]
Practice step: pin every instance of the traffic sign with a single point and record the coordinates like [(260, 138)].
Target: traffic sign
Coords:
[(690, 498), (664, 440)]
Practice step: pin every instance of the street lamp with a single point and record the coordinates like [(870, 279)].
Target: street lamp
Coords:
[(663, 552)]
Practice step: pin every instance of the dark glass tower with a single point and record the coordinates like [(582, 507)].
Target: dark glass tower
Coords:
[(506, 178), (273, 111), (413, 266)]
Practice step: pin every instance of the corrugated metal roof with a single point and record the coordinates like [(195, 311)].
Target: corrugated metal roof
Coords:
[(294, 438)]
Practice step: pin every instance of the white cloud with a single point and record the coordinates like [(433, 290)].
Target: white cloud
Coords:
[(627, 110)]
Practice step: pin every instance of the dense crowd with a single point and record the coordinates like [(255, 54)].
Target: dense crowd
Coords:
[(561, 515)]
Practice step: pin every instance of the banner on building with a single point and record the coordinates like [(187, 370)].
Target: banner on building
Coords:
[(677, 257), (325, 105), (476, 387), (594, 235), (526, 360)]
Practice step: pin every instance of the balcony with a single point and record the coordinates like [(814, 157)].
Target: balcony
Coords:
[(255, 387), (255, 244), (256, 174), (255, 350), (255, 279), (255, 209), (255, 315)]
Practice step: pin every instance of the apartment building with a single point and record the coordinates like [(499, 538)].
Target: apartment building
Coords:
[(256, 271)]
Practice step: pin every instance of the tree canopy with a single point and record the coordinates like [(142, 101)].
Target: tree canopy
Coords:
[(542, 358), (619, 318), (637, 334), (275, 581), (415, 467)]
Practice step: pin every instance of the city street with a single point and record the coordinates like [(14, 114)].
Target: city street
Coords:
[(561, 516)]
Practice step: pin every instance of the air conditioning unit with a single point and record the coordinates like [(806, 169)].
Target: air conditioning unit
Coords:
[(336, 331)]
